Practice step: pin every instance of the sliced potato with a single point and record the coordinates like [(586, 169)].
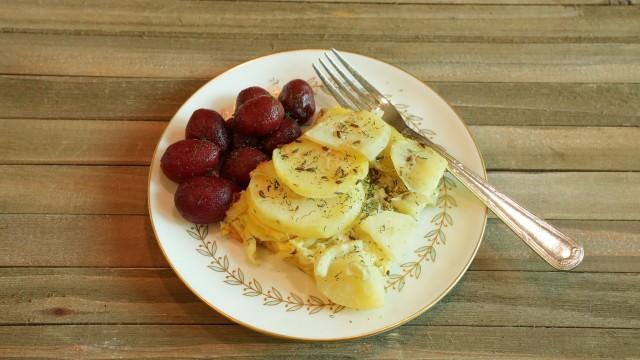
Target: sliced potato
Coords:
[(316, 171), (383, 160), (392, 231), (279, 207), (345, 273), (344, 129), (248, 226), (263, 232), (420, 168), (411, 203), (334, 111)]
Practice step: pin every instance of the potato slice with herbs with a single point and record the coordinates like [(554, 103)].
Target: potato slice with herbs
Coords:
[(419, 167), (344, 129), (316, 171), (345, 273), (411, 203), (279, 207), (383, 160), (392, 231), (248, 226)]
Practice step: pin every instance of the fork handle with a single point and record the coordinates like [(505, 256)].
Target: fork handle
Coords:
[(556, 248)]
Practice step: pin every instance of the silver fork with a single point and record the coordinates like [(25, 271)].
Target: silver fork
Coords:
[(352, 90)]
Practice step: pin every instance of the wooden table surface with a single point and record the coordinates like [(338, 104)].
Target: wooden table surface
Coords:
[(550, 89)]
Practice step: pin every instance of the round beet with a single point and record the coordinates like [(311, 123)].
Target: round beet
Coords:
[(240, 162), (286, 133), (250, 93), (259, 116), (204, 199), (297, 99), (206, 124), (188, 158)]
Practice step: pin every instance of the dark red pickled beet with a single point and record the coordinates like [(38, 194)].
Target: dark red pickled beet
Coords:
[(188, 158), (297, 99), (230, 125), (206, 124), (286, 133), (240, 162), (259, 116), (250, 93), (204, 199), (241, 140)]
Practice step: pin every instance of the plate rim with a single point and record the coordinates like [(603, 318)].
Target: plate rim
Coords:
[(421, 311)]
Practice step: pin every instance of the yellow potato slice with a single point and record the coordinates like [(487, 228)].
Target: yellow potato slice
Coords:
[(392, 231), (344, 129), (279, 207), (419, 167), (411, 203), (317, 171), (383, 160), (334, 111), (346, 275)]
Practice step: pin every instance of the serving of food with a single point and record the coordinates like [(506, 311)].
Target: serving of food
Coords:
[(309, 207)]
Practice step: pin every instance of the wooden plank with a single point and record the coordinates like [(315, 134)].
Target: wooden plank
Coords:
[(354, 21), (543, 104), (477, 103), (197, 57), (478, 2), (503, 147), (570, 195), (78, 240), (157, 296), (73, 189), (84, 98), (90, 190), (224, 341), (128, 241), (559, 148), (78, 141), (609, 246)]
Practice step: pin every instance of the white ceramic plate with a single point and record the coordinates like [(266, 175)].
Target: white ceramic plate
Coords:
[(278, 299)]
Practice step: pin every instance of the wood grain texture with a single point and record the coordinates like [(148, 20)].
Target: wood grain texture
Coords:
[(559, 148), (78, 141), (222, 341), (84, 98), (477, 103), (78, 240), (90, 190), (357, 21), (197, 57), (570, 195), (610, 246), (73, 189), (462, 2), (545, 104), (503, 147), (128, 241), (157, 296)]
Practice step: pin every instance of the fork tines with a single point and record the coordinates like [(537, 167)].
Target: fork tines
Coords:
[(348, 86)]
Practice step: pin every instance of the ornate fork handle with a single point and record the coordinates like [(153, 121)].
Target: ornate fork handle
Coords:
[(560, 251)]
